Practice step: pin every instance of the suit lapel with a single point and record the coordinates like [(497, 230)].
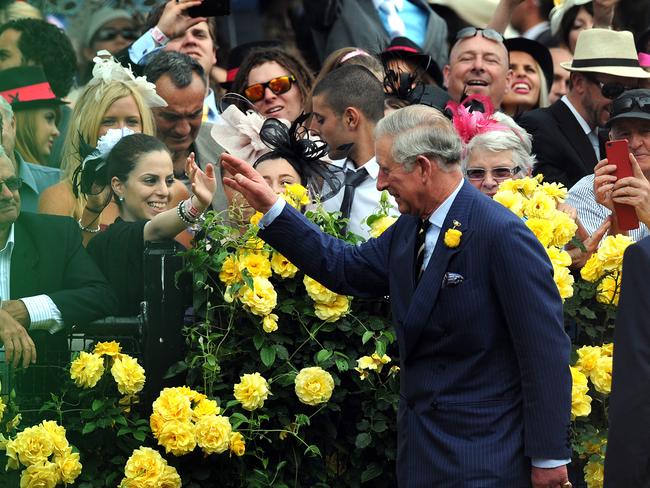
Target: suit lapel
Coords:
[(24, 259), (572, 131), (426, 294)]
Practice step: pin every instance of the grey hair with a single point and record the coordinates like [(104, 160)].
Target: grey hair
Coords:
[(177, 65), (421, 130), (516, 139)]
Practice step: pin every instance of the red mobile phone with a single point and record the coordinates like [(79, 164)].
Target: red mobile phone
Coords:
[(210, 8), (618, 153)]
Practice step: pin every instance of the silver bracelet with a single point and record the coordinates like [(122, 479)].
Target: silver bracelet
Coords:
[(89, 229)]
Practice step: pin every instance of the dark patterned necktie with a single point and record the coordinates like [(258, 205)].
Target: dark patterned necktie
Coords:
[(352, 180), (419, 248)]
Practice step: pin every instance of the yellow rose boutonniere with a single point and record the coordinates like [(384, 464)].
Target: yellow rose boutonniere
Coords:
[(453, 235)]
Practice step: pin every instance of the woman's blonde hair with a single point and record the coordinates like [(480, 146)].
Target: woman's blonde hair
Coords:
[(26, 131), (543, 100), (86, 120)]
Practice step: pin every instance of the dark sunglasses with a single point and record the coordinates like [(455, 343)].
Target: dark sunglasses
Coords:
[(468, 32), (624, 104), (14, 183), (109, 34), (478, 174), (609, 89), (279, 85)]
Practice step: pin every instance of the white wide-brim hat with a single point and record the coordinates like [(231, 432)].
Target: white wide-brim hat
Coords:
[(560, 9), (475, 12), (606, 51)]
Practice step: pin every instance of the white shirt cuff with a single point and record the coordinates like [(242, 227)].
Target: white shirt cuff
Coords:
[(142, 48), (549, 463), (272, 214), (43, 314)]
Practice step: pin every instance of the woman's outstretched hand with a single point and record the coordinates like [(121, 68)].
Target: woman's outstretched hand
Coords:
[(248, 182), (204, 184)]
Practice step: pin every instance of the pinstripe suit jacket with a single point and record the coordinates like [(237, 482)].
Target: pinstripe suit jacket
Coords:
[(485, 383)]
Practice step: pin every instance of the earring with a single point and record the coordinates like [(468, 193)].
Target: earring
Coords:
[(120, 199)]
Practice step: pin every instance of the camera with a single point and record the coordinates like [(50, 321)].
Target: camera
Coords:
[(210, 8)]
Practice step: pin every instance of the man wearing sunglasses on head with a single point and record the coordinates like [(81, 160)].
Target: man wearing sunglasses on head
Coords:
[(565, 135)]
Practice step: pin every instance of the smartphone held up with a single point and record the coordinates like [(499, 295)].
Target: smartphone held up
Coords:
[(619, 155), (210, 8)]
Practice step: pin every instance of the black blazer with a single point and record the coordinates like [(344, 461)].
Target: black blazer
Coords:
[(628, 459), (564, 152)]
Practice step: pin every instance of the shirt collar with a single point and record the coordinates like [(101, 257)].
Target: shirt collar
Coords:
[(25, 173), (399, 4), (583, 123), (212, 105), (370, 166), (536, 30), (440, 214), (9, 246)]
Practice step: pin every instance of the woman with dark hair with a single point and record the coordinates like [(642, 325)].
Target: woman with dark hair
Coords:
[(569, 19), (275, 81), (140, 173)]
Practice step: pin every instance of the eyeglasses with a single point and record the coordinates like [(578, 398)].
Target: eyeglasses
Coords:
[(468, 32), (624, 104), (110, 33), (14, 183), (279, 85), (478, 174), (608, 89)]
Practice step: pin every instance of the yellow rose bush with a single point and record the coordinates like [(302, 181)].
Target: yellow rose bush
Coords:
[(536, 203), (604, 267), (146, 468)]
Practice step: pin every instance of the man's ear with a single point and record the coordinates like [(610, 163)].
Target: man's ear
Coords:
[(352, 118), (445, 75), (424, 165)]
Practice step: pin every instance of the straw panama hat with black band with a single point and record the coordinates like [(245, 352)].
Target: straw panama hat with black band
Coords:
[(608, 52)]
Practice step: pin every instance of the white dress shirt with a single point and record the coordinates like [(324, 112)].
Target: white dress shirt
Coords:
[(43, 313), (592, 134), (366, 197)]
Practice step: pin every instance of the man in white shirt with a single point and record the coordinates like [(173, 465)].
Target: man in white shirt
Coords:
[(348, 103)]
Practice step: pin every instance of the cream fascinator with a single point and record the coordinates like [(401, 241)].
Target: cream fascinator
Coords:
[(107, 70)]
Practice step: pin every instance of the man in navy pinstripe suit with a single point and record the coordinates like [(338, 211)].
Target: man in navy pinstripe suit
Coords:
[(485, 383)]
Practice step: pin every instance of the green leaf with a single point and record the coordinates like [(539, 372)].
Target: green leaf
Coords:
[(363, 440), (281, 352), (139, 435), (88, 428), (175, 369), (367, 336), (313, 451), (380, 347), (323, 355), (342, 365), (267, 355), (122, 421), (123, 431), (97, 404), (371, 472), (258, 340)]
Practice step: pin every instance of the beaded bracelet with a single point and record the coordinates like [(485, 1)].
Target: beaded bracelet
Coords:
[(181, 214), (88, 229)]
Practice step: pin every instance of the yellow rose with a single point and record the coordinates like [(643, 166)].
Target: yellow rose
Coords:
[(262, 299), (14, 422), (594, 474), (282, 266), (107, 348), (3, 407), (314, 385), (452, 238), (169, 478), (57, 435), (366, 362), (608, 290), (68, 465), (557, 191), (380, 225), (144, 468), (542, 229), (270, 323), (177, 437), (607, 349), (318, 292), (512, 200), (580, 401), (156, 422), (228, 296), (592, 270), (564, 228), (251, 391), (12, 454), (332, 311), (205, 407), (564, 281), (256, 264), (296, 195), (128, 375), (587, 358), (559, 257), (255, 219), (33, 445), (253, 245), (380, 360), (213, 434), (230, 273), (601, 375), (540, 205), (173, 404), (610, 252), (87, 369), (42, 474), (237, 444)]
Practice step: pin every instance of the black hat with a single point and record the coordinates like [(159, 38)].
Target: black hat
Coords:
[(539, 53), (404, 48), (237, 55), (632, 104), (27, 87)]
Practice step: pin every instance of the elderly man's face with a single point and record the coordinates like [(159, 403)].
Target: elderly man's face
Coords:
[(637, 132), (478, 66), (405, 187), (9, 200)]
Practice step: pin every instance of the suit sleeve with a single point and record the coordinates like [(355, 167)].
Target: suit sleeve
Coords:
[(628, 460), (523, 279), (85, 295), (343, 268), (548, 163)]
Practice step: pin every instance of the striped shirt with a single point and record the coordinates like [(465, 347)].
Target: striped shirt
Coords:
[(592, 214)]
